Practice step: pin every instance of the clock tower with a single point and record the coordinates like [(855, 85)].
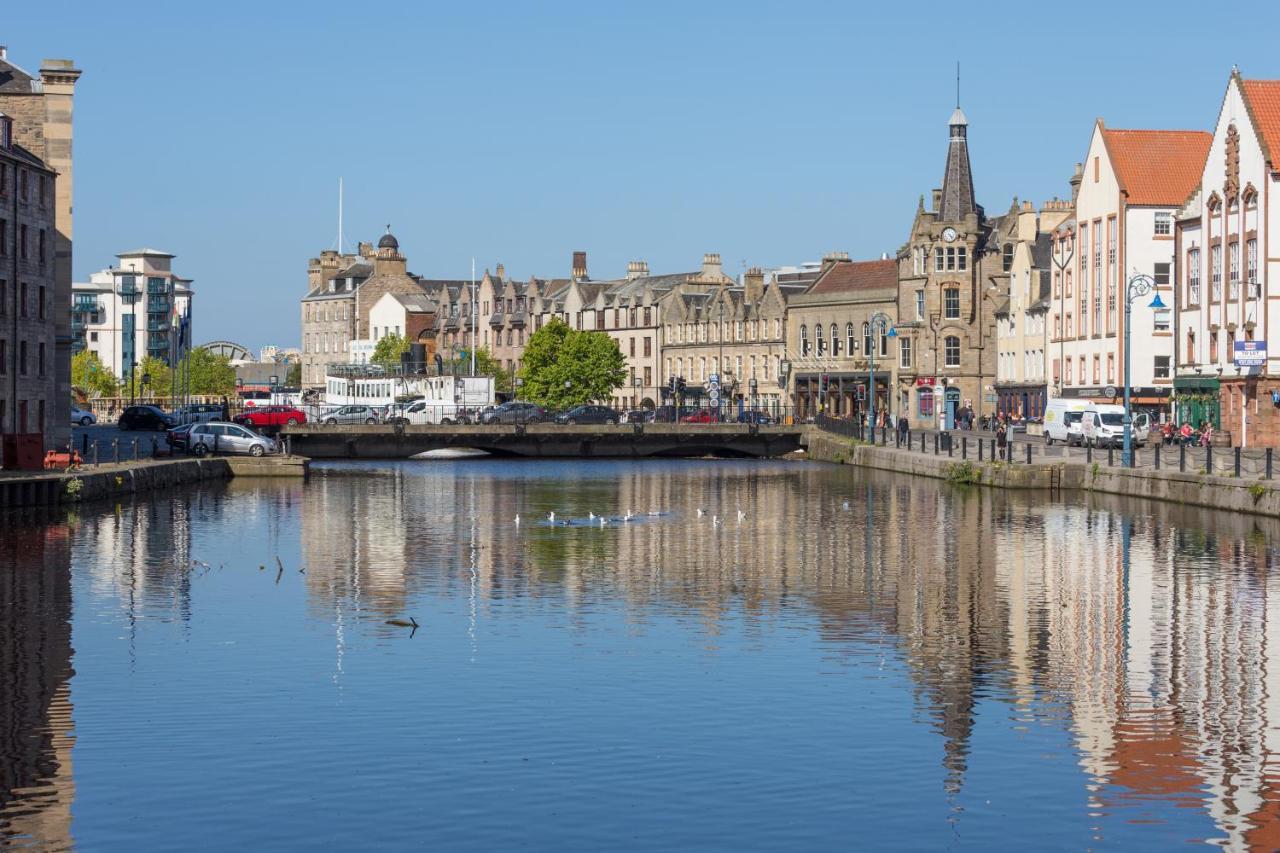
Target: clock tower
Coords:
[(946, 298)]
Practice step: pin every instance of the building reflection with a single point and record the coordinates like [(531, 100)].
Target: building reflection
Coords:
[(1140, 632), (37, 787)]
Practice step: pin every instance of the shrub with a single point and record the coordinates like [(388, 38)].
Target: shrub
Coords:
[(962, 473)]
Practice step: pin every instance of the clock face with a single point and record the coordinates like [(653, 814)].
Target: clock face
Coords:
[(949, 234)]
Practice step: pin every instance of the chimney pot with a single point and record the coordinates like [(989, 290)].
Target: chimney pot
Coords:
[(579, 264)]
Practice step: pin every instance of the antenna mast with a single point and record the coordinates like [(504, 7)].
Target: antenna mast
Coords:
[(957, 84), (339, 216)]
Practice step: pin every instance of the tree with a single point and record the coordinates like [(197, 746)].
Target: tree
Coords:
[(387, 351), (151, 377), (487, 365), (209, 374), (91, 377), (564, 367), (293, 378)]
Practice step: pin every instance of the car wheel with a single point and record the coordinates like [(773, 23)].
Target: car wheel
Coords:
[(257, 450), (331, 422), (292, 422), (199, 449), (612, 421), (572, 421), (371, 420), (533, 420), (446, 421), (84, 422), (1048, 440)]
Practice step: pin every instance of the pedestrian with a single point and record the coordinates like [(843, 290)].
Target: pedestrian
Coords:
[(1206, 435), (1184, 434), (1001, 434), (903, 428), (226, 409)]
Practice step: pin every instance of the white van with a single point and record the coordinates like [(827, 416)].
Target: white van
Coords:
[(1062, 421), (1103, 426)]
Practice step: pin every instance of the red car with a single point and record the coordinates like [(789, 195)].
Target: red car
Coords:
[(271, 416), (702, 416)]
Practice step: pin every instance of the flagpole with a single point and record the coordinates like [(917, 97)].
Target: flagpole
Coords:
[(475, 318)]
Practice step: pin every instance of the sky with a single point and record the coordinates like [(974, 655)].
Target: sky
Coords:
[(516, 133)]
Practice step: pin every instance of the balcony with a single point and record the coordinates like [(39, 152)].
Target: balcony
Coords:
[(157, 325), (495, 319), (86, 304), (517, 319)]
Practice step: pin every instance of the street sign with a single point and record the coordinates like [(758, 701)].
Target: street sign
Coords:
[(714, 379), (1109, 391), (714, 396), (1251, 353)]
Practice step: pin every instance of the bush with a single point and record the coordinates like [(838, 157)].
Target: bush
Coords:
[(963, 473)]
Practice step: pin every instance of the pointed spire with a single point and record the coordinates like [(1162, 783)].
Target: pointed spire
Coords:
[(957, 182)]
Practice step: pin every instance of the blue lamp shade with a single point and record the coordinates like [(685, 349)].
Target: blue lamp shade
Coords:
[(893, 333), (1157, 303)]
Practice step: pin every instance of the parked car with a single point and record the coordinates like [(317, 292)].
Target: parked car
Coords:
[(351, 415), (198, 413), (516, 413), (228, 438), (637, 416), (179, 438), (668, 415), (146, 417), (271, 416), (701, 416), (1103, 426), (754, 416), (588, 414), (82, 417), (1063, 421)]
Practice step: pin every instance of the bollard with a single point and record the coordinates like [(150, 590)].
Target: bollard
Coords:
[(1157, 456), (935, 444), (135, 450), (1208, 459), (95, 454), (1111, 455), (1237, 462), (964, 447), (1182, 458), (950, 445), (922, 442), (84, 445), (1268, 463), (979, 450), (1088, 453), (155, 448), (1028, 453), (115, 450)]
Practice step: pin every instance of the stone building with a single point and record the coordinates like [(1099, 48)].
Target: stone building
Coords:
[(33, 397), (40, 109), (1227, 259), (953, 273), (830, 334)]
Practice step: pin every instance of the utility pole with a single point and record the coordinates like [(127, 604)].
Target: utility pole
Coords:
[(475, 318)]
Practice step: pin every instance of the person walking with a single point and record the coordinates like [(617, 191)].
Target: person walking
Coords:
[(903, 429), (1206, 435), (226, 409)]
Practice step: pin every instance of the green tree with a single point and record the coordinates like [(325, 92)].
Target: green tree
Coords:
[(293, 378), (564, 367), (209, 373), (387, 351), (151, 376), (91, 376), (487, 365)]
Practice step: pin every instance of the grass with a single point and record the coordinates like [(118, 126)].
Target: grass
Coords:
[(962, 473)]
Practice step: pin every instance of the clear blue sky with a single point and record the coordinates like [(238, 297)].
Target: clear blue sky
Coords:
[(519, 132)]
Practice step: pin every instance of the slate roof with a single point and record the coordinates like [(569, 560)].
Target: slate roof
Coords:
[(1263, 97), (1158, 166), (15, 81), (843, 276), (415, 303), (359, 269)]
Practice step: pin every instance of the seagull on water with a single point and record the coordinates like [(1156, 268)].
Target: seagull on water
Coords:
[(603, 521), (701, 513), (846, 505), (517, 519), (715, 521), (591, 515), (742, 516), (551, 516)]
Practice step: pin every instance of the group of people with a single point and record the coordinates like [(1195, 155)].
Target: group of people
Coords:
[(1188, 435)]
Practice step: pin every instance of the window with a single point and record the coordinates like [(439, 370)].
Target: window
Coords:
[(40, 359), (1233, 270), (919, 304), (1161, 274), (648, 346), (1097, 369), (22, 299), (937, 259), (904, 352), (40, 311), (1213, 347), (1164, 223), (835, 341), (951, 257), (1111, 367), (951, 347), (40, 251), (925, 398), (4, 356), (804, 340), (819, 341), (850, 342), (1215, 272), (1251, 267), (1193, 277), (1067, 284), (884, 344), (866, 338), (1163, 319), (1160, 370), (633, 348), (962, 258), (951, 302), (22, 241), (22, 358), (1006, 262)]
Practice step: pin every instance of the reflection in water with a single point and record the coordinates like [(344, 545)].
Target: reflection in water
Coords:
[(1130, 640), (36, 783)]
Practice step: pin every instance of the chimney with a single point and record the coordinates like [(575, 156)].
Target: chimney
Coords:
[(580, 265), (711, 265), (365, 250), (501, 271), (753, 285), (937, 199), (637, 269), (1028, 221), (1075, 181), (4, 52), (832, 258)]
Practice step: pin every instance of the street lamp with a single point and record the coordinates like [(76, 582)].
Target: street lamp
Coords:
[(637, 381), (879, 324), (1139, 285)]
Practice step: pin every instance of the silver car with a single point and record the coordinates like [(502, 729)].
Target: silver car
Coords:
[(228, 438), (82, 417), (351, 415), (198, 413)]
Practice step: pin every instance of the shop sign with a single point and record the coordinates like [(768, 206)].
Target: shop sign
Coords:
[(925, 380), (1251, 353)]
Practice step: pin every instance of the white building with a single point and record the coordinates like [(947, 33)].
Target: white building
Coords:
[(128, 312), (1131, 185), (1229, 272)]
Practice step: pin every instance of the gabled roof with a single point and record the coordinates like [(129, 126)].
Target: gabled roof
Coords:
[(415, 303), (13, 80), (1263, 98), (844, 276), (1157, 166)]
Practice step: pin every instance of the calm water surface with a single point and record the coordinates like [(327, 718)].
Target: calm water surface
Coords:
[(863, 662)]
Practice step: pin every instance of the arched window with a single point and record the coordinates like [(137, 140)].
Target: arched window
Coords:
[(835, 341), (804, 340), (951, 347), (819, 340), (866, 338), (850, 342)]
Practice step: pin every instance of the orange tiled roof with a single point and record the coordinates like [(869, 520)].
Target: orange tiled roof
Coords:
[(857, 275), (1263, 97), (1158, 166)]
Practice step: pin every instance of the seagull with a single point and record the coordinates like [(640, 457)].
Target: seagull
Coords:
[(551, 516), (700, 512), (715, 521), (628, 516), (517, 519), (603, 521), (846, 505), (591, 515), (742, 516), (654, 512)]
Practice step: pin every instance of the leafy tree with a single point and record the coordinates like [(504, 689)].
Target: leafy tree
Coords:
[(293, 378), (210, 373), (388, 349), (91, 376), (153, 369), (564, 367)]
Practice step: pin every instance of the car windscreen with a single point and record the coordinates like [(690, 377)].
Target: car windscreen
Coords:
[(1071, 418), (1113, 419)]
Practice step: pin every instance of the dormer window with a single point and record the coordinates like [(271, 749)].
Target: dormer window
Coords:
[(6, 132), (1007, 262)]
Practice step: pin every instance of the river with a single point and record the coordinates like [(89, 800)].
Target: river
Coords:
[(863, 661)]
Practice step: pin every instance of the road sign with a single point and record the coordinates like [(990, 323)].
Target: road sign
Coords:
[(714, 396), (1109, 391), (713, 379), (1251, 353)]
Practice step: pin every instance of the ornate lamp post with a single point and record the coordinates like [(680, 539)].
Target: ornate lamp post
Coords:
[(1138, 285), (882, 325)]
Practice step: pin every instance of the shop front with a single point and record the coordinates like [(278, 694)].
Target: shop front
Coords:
[(1021, 402), (838, 395), (1197, 400)]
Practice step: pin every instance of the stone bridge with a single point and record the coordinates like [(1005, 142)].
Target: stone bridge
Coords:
[(384, 441)]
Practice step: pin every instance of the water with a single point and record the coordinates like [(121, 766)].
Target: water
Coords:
[(980, 671)]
